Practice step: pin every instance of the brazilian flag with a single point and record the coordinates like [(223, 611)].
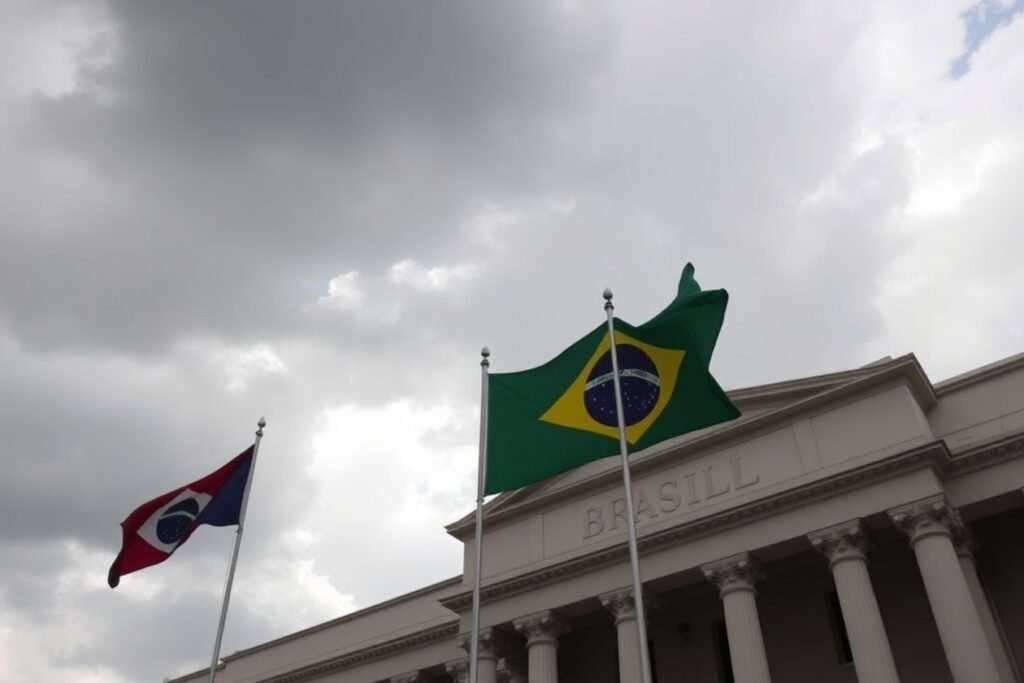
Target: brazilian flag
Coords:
[(562, 414)]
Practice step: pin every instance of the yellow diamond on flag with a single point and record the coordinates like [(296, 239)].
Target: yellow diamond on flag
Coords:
[(647, 375)]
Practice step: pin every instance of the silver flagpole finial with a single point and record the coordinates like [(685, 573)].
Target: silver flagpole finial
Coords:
[(486, 353), (261, 424), (608, 305)]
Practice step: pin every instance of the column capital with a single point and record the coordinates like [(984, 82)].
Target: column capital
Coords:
[(964, 541), (541, 627), (512, 669), (493, 642), (411, 677), (458, 670), (735, 573), (846, 541), (927, 517), (621, 604)]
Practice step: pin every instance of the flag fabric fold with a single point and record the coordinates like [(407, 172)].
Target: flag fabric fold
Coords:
[(155, 529), (562, 414)]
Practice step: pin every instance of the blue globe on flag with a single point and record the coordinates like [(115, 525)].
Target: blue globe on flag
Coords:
[(638, 377), (176, 520)]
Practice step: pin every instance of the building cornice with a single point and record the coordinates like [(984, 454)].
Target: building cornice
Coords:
[(934, 455), (904, 370), (386, 649), (994, 450), (982, 374), (804, 387), (351, 616)]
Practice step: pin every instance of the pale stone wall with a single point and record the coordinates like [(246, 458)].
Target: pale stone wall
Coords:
[(973, 412), (844, 460), (365, 629), (832, 439), (757, 532)]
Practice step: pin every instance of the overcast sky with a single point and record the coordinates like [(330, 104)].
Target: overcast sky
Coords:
[(212, 211)]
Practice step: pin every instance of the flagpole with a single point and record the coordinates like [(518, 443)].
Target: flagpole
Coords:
[(634, 553), (481, 480), (234, 555)]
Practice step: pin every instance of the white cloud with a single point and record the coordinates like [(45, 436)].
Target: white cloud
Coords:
[(43, 646), (956, 281), (437, 279), (344, 293), (238, 366), (817, 156), (287, 591), (243, 364), (489, 224), (397, 474), (424, 443), (42, 45), (366, 300)]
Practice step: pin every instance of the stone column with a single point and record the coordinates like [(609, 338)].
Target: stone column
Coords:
[(542, 631), (491, 642), (966, 545), (735, 578), (621, 604), (845, 546), (929, 524), (458, 670)]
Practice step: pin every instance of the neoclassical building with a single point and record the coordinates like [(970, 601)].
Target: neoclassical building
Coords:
[(859, 526)]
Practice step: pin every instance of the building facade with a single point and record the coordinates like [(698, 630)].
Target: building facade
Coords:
[(858, 526)]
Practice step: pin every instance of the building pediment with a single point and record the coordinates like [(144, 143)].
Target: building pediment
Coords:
[(765, 409)]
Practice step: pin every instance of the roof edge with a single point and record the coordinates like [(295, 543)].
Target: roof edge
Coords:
[(391, 602), (803, 385), (905, 367), (793, 389), (980, 374)]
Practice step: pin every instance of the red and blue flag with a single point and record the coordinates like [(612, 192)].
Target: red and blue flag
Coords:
[(157, 528)]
